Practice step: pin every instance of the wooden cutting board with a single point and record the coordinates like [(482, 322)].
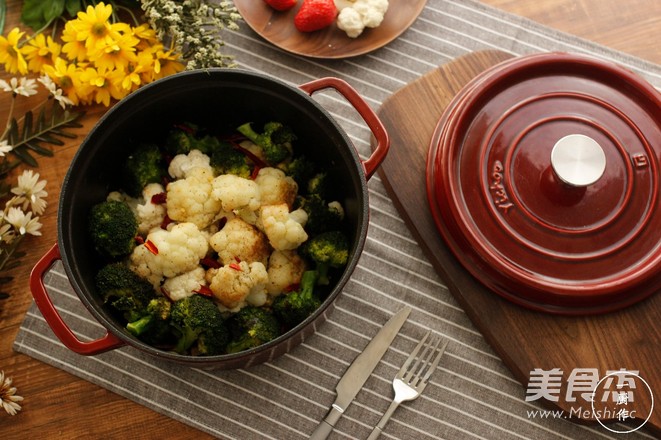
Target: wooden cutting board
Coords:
[(526, 340)]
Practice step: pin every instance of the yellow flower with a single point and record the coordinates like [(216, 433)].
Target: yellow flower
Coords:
[(10, 54), (166, 63), (115, 54), (67, 78), (147, 36), (140, 72), (94, 28), (40, 51), (75, 50), (105, 84)]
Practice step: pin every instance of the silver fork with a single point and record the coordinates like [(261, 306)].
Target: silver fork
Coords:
[(413, 377)]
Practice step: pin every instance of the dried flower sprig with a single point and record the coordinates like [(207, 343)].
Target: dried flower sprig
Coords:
[(8, 397), (192, 26)]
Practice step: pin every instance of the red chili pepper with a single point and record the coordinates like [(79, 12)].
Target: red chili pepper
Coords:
[(291, 288), (166, 222), (237, 259), (235, 266), (151, 247), (204, 291), (138, 239), (255, 172), (183, 127), (166, 294), (259, 163), (210, 263), (159, 199)]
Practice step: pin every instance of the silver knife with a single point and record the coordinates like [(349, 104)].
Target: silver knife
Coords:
[(358, 372)]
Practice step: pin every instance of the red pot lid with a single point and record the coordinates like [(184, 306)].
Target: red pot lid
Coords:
[(543, 179)]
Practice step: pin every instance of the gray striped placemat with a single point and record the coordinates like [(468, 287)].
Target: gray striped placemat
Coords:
[(471, 396)]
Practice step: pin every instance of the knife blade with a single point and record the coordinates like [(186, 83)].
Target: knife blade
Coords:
[(358, 372)]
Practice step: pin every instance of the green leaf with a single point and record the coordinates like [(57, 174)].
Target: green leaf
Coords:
[(73, 7), (3, 15), (48, 128), (39, 13)]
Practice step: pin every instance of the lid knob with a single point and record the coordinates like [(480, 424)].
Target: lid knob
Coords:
[(578, 160)]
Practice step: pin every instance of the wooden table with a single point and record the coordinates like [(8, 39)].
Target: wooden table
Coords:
[(59, 405)]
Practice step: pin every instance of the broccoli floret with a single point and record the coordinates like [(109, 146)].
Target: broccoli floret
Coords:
[(251, 327), (300, 168), (181, 139), (112, 228), (198, 322), (275, 141), (327, 250), (225, 159), (319, 185), (292, 308), (157, 312), (322, 216), (124, 290), (144, 165)]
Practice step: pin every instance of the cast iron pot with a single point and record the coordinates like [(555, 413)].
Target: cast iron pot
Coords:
[(214, 98)]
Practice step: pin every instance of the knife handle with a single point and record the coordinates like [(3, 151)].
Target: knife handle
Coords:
[(325, 427)]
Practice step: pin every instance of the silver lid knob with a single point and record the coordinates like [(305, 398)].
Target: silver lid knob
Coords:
[(578, 160)]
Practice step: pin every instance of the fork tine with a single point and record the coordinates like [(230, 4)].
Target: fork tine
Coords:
[(405, 372), (425, 360), (437, 359)]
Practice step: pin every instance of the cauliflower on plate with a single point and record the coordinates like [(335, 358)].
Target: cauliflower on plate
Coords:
[(238, 284), (168, 253), (190, 199), (184, 285), (276, 187), (285, 270), (354, 17), (182, 164), (240, 240), (284, 230)]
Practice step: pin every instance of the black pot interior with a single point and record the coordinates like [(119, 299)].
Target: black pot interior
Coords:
[(219, 100)]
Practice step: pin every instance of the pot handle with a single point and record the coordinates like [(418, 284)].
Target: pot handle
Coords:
[(373, 122), (53, 318)]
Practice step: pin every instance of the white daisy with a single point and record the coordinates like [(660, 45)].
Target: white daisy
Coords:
[(8, 398), (5, 148), (32, 189)]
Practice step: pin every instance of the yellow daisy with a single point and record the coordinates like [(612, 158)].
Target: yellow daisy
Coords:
[(10, 54), (67, 78), (73, 48), (147, 36), (117, 54), (94, 27), (40, 51), (166, 63), (105, 84), (140, 72)]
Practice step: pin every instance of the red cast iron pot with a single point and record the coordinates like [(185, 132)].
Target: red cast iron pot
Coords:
[(219, 99)]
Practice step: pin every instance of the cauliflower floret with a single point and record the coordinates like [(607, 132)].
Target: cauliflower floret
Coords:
[(350, 21), (238, 284), (236, 193), (150, 215), (283, 229), (240, 240), (354, 18), (186, 284), (190, 199), (169, 253), (276, 187), (285, 270), (182, 164)]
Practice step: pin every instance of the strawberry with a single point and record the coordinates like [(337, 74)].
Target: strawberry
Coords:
[(315, 15), (281, 5)]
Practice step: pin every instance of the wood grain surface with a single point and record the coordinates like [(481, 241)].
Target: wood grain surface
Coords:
[(60, 405), (524, 339)]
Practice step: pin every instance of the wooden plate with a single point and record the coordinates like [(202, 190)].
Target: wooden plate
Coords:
[(332, 43)]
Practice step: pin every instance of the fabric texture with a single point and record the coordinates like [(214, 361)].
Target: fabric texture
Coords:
[(471, 396)]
